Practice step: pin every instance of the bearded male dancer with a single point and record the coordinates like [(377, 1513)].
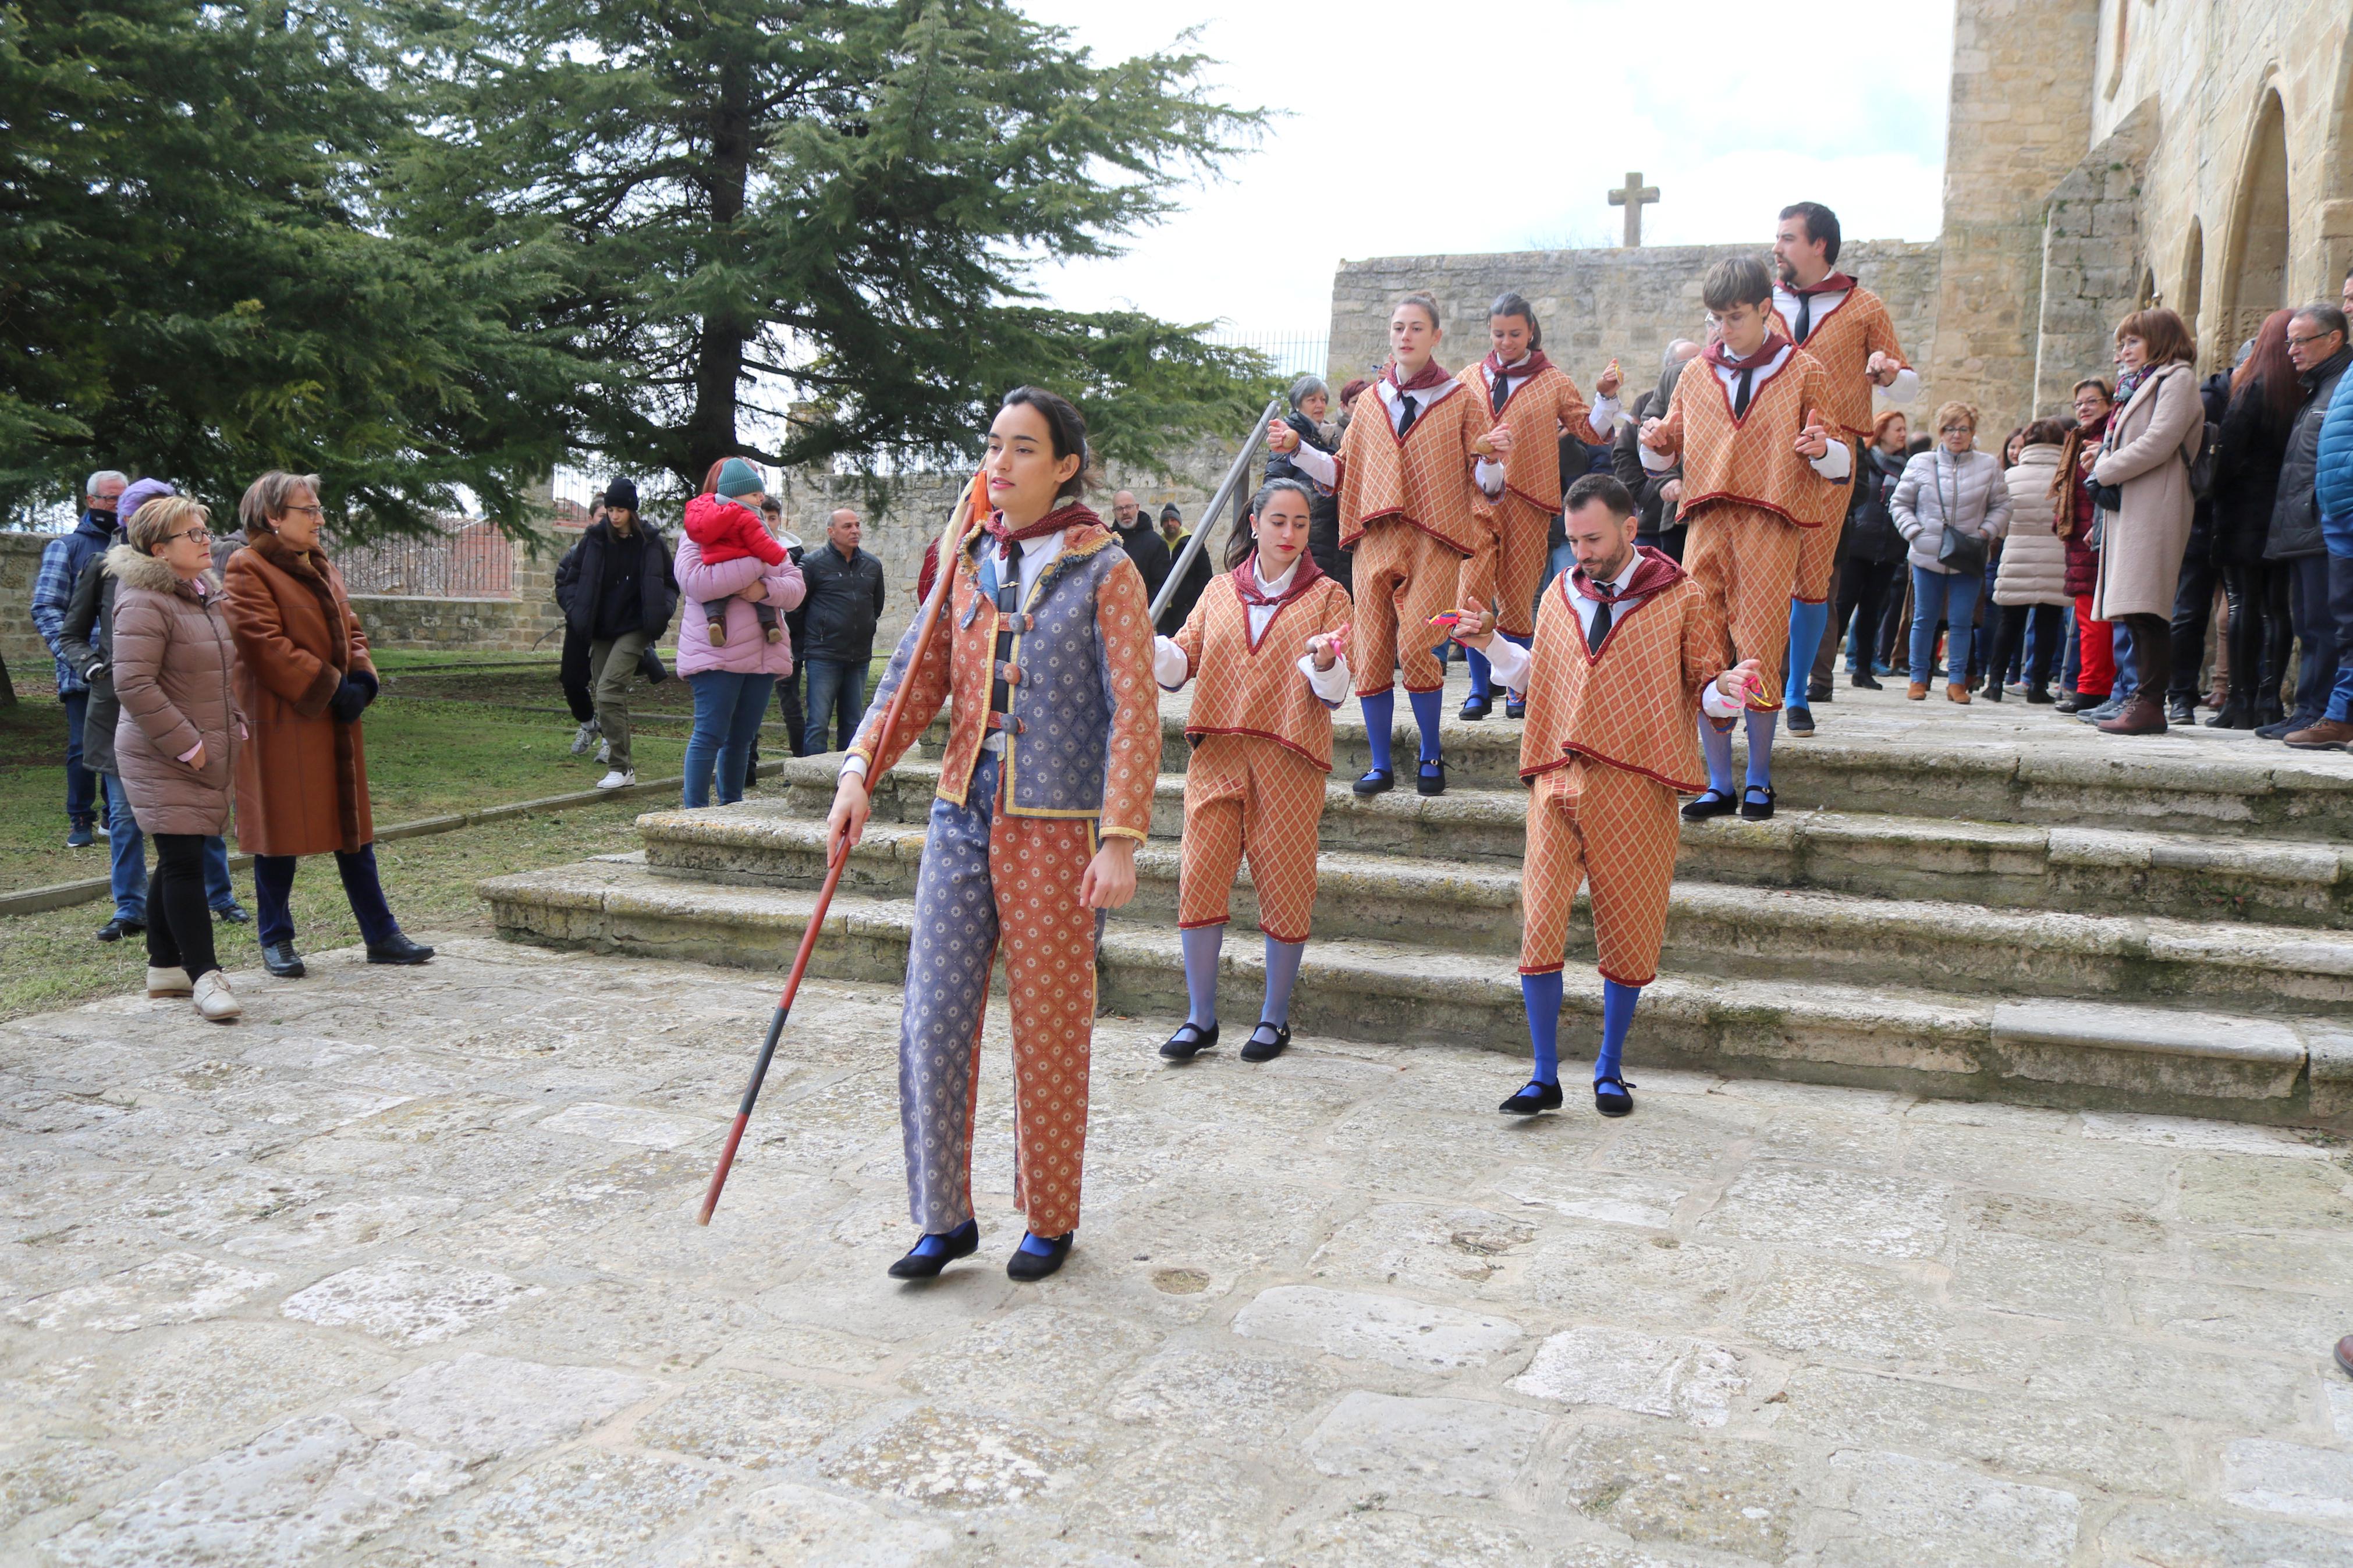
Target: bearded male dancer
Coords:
[(1629, 651), (1045, 790)]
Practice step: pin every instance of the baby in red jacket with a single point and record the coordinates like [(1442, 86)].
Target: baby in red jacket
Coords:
[(727, 527)]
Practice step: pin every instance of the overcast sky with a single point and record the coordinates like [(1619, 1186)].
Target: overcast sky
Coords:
[(1694, 93)]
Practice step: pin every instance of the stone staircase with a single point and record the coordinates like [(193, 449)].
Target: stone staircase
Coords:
[(1981, 902)]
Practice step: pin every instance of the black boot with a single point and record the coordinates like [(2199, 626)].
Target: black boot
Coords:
[(2236, 714), (397, 949), (1862, 680), (2037, 695)]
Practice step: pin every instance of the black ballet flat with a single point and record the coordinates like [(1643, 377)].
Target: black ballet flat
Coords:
[(1756, 810), (1189, 1041), (1534, 1097), (1714, 803), (1029, 1267), (1611, 1096), (1255, 1049), (1515, 708), (1431, 784), (962, 1242), (1377, 781), (1476, 707)]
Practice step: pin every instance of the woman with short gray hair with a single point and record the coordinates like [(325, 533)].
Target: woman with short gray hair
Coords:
[(1310, 406)]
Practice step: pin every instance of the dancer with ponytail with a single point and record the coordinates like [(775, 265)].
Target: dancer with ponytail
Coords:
[(1045, 790), (1267, 643)]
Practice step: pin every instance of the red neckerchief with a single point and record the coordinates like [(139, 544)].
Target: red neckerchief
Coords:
[(1837, 282), (1656, 572), (1069, 514), (1717, 355), (1304, 575), (1428, 376), (1534, 365)]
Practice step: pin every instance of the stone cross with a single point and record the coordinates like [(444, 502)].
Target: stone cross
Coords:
[(1632, 199)]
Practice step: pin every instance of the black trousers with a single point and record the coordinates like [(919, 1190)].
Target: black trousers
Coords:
[(2194, 608), (2010, 633), (179, 922), (1862, 599), (2260, 629)]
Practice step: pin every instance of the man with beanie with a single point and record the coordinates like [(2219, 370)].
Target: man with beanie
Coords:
[(622, 599), (62, 560)]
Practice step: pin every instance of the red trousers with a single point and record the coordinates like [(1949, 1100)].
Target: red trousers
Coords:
[(2095, 675)]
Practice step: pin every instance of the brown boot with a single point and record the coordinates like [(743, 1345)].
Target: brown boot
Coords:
[(2142, 715), (1956, 693), (2329, 735), (1918, 692)]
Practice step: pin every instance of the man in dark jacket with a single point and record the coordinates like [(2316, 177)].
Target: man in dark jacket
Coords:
[(621, 599), (62, 560), (1142, 546), (2194, 597), (2315, 343), (1196, 577), (839, 612), (2331, 411)]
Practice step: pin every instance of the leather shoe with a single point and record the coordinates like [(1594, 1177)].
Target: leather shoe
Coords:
[(1377, 781), (118, 928), (397, 949), (2038, 696), (1756, 810), (1256, 1050), (2345, 1354), (1431, 784), (2329, 735), (1800, 720), (1699, 808), (1861, 682), (1516, 707), (2141, 716), (1819, 691), (2278, 728), (1534, 1097), (280, 959), (232, 915), (2076, 701), (1476, 707), (1918, 692), (1956, 693), (920, 1264), (1189, 1041), (1028, 1266), (1610, 1099), (2180, 711)]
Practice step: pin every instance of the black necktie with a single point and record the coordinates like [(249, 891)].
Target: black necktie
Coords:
[(1499, 392), (1740, 396), (1600, 627), (1008, 603), (1805, 317), (1411, 409)]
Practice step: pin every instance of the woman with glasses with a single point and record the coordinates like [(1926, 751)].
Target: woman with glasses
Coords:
[(303, 677), (1951, 504)]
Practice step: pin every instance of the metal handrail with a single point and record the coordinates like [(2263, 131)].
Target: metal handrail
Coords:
[(1225, 493)]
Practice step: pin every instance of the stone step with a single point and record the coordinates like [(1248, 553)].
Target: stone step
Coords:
[(2091, 870), (2108, 1055), (1713, 927)]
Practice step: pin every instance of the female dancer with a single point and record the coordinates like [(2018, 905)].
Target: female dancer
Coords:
[(1261, 726)]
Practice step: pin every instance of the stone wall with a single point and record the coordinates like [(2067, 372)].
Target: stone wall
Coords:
[(2094, 261), (1594, 304), (30, 667), (500, 626)]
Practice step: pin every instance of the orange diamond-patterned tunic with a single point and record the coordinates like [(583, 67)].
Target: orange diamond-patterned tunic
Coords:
[(1262, 746), (1610, 740), (1845, 340), (1539, 410)]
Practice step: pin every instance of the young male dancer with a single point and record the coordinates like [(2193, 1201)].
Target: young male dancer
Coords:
[(1523, 390), (1760, 470), (1629, 652), (1416, 504), (1053, 745), (1846, 327), (1266, 641)]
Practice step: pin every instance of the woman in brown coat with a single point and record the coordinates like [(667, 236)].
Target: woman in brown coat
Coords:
[(176, 738), (2152, 438), (304, 678)]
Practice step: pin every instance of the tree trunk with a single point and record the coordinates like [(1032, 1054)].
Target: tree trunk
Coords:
[(719, 360)]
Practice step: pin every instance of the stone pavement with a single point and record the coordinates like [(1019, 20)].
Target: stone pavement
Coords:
[(403, 1271)]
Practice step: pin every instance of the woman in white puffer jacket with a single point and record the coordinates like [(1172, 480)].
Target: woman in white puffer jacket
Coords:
[(2030, 591), (1951, 487)]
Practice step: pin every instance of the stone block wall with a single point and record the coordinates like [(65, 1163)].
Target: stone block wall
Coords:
[(30, 667), (2092, 262)]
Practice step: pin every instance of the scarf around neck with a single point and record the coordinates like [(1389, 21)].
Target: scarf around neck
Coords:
[(1534, 365), (1836, 283), (1655, 571), (1304, 575), (1430, 374), (1069, 514), (1715, 353)]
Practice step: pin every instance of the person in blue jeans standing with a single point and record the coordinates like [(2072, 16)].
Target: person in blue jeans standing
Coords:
[(1951, 489), (837, 620), (63, 561), (731, 680), (2333, 497)]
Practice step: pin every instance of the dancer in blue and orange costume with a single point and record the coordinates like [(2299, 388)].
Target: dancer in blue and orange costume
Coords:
[(1266, 642), (1416, 475), (1045, 790), (1629, 652)]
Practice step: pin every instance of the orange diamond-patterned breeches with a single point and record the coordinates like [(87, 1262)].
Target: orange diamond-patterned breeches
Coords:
[(1592, 823), (1403, 577), (1818, 550), (1745, 558), (1247, 794), (1522, 554), (987, 880)]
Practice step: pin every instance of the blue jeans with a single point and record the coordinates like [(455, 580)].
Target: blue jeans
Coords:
[(2337, 533), (835, 686), (81, 785), (1949, 597), (2120, 643), (127, 876), (727, 711), (273, 880)]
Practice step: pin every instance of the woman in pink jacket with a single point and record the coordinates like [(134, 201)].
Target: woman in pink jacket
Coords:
[(730, 683)]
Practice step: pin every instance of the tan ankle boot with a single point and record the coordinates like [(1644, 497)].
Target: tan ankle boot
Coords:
[(1956, 693), (1918, 692)]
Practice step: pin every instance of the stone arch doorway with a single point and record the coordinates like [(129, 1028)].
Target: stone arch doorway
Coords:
[(2256, 281)]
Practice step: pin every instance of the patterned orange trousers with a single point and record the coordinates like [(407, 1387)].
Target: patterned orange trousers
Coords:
[(1745, 558), (1245, 794), (1522, 554), (1403, 577), (989, 880), (1818, 551), (1590, 823)]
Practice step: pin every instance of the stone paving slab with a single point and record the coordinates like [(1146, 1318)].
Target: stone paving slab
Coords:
[(403, 1271)]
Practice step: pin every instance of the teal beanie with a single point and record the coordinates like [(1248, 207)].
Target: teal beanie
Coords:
[(738, 478)]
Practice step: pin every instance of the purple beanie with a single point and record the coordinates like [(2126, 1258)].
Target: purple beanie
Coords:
[(139, 494)]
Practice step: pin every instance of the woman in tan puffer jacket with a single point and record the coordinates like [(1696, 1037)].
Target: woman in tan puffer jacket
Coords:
[(2031, 585), (175, 740)]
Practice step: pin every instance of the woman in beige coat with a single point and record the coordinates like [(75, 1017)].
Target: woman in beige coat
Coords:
[(2159, 427), (176, 739), (2030, 586)]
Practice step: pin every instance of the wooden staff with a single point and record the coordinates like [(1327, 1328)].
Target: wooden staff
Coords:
[(839, 861)]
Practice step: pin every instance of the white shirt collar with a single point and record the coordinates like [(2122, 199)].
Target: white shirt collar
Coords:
[(1275, 588)]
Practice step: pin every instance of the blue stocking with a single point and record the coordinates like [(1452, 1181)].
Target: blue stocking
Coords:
[(1481, 681), (933, 1245), (1201, 944), (1518, 640), (1380, 718), (1715, 746), (1425, 719), (1761, 727), (1616, 1017), (1282, 959), (1807, 624), (1035, 1247), (1540, 996)]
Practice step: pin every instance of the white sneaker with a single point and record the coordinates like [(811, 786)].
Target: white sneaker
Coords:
[(167, 982), (604, 751), (617, 779), (214, 1000), (587, 732)]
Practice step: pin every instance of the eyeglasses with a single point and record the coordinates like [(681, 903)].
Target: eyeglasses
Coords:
[(205, 534), (313, 508), (1957, 430), (2296, 342)]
